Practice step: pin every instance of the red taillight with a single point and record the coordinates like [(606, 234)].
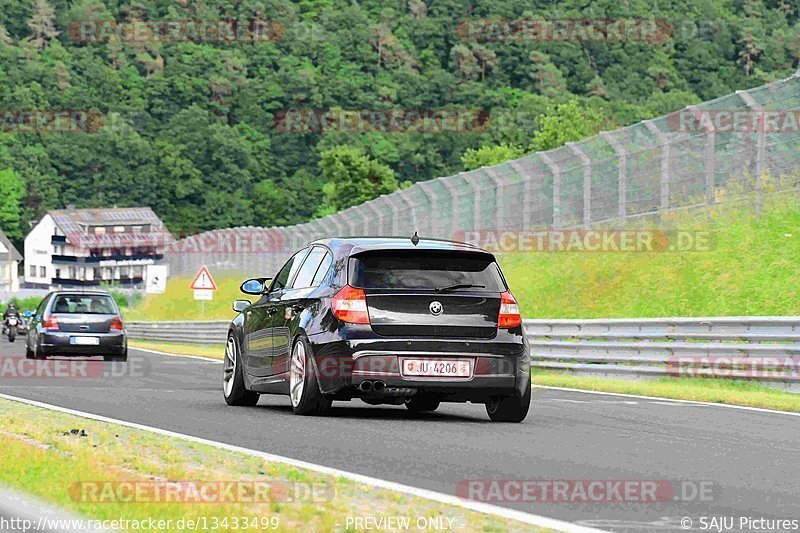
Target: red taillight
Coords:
[(509, 316), (116, 323), (350, 305), (50, 323)]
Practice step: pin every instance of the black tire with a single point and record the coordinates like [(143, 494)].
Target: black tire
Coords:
[(12, 334), (509, 408), (28, 352), (117, 358), (310, 400), (38, 353), (235, 393), (421, 403)]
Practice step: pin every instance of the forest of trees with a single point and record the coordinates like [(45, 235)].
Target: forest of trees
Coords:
[(189, 128)]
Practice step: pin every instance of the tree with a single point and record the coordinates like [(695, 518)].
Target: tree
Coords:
[(5, 38), (12, 191), (567, 123), (42, 24), (352, 178), (486, 156)]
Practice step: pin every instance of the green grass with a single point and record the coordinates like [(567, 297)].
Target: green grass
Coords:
[(43, 457), (178, 303), (216, 351), (752, 269), (704, 390)]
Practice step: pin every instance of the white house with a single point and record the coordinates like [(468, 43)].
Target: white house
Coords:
[(9, 265), (87, 247)]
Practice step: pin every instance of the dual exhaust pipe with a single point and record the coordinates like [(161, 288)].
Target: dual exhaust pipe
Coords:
[(372, 386)]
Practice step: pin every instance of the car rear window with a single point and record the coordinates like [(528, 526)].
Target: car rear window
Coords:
[(425, 270), (84, 304)]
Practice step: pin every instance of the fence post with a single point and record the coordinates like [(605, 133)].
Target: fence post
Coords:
[(433, 212), (455, 222), (402, 195), (761, 145), (477, 198), (587, 182), (499, 208), (384, 198), (622, 179), (556, 188), (664, 184), (378, 215), (526, 195)]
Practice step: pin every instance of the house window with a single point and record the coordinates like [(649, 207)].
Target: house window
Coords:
[(33, 271), (58, 272), (119, 229), (99, 230), (42, 272)]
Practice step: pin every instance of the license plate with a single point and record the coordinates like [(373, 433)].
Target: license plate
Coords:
[(85, 341), (447, 368)]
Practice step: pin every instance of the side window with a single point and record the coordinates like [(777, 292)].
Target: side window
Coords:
[(288, 271), (306, 273), (323, 269), (42, 306)]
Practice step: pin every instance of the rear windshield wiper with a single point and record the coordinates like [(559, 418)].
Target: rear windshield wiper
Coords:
[(459, 286)]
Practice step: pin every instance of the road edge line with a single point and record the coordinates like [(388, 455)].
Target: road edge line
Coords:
[(201, 357), (675, 400), (484, 508)]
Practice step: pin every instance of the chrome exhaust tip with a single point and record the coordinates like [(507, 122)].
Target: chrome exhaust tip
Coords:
[(365, 386), (378, 386)]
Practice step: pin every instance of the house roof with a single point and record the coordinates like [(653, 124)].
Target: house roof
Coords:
[(15, 255), (73, 222)]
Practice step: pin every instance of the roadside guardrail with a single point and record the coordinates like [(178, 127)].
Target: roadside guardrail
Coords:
[(765, 349)]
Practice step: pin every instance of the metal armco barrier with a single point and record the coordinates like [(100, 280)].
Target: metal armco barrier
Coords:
[(195, 332), (766, 349)]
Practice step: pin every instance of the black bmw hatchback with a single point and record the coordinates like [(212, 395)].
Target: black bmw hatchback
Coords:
[(386, 320)]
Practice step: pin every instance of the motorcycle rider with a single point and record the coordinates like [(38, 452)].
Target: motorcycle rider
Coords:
[(9, 312)]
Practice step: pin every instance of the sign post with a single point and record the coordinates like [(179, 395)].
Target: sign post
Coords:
[(203, 287)]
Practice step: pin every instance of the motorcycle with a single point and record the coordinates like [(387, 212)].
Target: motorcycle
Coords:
[(12, 324)]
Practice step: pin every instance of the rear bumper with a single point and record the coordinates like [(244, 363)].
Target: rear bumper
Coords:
[(498, 366), (59, 343)]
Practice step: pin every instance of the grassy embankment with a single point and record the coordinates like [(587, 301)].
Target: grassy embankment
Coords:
[(751, 269)]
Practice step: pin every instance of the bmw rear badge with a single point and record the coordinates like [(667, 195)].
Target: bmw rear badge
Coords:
[(436, 308)]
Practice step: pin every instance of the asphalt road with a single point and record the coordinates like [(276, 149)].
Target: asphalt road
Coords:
[(744, 463)]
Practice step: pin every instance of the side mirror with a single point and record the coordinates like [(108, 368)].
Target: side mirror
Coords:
[(254, 286), (241, 305)]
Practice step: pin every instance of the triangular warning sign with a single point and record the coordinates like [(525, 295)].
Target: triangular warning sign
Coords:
[(203, 280)]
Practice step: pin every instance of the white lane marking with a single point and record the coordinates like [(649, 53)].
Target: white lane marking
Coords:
[(672, 400), (200, 357), (485, 508)]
